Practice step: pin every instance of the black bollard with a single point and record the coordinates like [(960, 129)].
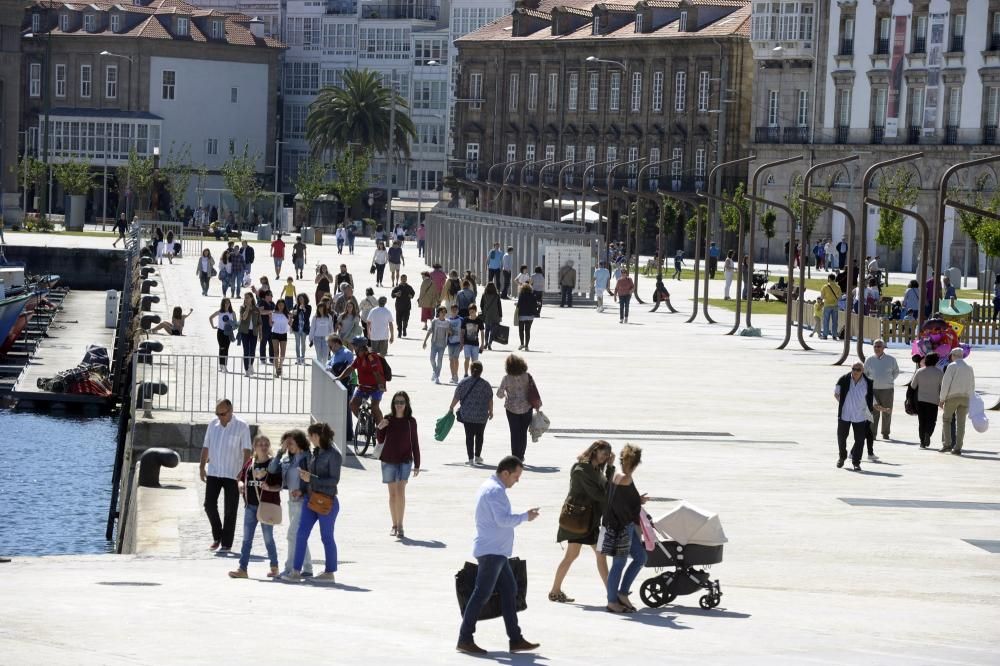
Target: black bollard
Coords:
[(147, 390), (147, 285), (146, 271), (147, 321), (150, 463), (147, 301)]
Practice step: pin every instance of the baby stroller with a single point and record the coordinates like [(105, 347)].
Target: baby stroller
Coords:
[(694, 538), (758, 285)]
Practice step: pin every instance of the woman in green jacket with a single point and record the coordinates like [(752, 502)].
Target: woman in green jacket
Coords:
[(588, 486)]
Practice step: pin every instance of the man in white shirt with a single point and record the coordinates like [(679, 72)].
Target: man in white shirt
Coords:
[(831, 258), (507, 269), (227, 446), (883, 370), (381, 328), (957, 386), (602, 276)]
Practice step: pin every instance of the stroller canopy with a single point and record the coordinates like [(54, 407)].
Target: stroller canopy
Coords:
[(687, 524)]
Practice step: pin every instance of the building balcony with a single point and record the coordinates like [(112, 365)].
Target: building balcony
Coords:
[(767, 135), (846, 47), (957, 44), (400, 10), (341, 7), (951, 135), (882, 46), (995, 42), (796, 135), (878, 134), (843, 134), (990, 135), (913, 134), (919, 45)]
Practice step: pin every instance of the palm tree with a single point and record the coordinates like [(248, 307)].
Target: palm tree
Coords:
[(358, 113)]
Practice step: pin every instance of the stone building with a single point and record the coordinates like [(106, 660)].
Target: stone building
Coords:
[(10, 108), (154, 76), (661, 88), (882, 79)]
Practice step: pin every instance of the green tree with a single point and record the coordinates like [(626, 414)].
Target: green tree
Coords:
[(176, 172), (767, 225), (984, 231), (75, 177), (731, 211), (240, 176), (139, 176), (897, 189), (806, 215), (351, 168), (691, 225), (310, 183), (359, 113), (31, 170)]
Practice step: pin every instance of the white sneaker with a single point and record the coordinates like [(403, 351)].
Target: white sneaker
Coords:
[(479, 460), (326, 577), (873, 459), (469, 462)]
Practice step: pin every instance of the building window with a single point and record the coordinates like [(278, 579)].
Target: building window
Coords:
[(615, 94), (879, 100), (111, 81), (633, 167), (569, 153), (116, 23), (169, 82), (216, 29), (430, 138), (182, 26), (595, 27), (430, 94), (847, 36), (529, 152), (552, 92), (376, 43), (33, 140), (515, 79), (802, 115), (85, 81), (954, 106), (916, 107), (657, 100), (843, 107), (704, 87), (773, 101), (882, 36), (636, 91), (211, 146), (680, 90), (60, 80), (550, 153), (682, 22), (994, 44), (957, 33), (611, 154), (699, 163), (472, 160), (590, 154), (476, 89), (35, 79), (36, 23), (592, 91), (511, 152), (64, 22), (295, 120), (654, 168), (638, 22), (301, 78), (88, 22), (430, 50), (676, 163), (573, 90), (306, 33), (340, 39), (532, 91), (919, 44), (232, 146)]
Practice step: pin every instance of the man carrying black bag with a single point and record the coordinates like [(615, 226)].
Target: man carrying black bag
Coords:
[(492, 546)]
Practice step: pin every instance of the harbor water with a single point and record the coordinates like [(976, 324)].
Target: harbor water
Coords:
[(55, 483)]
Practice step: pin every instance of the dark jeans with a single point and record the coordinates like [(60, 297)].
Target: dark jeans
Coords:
[(224, 342), (860, 435), (538, 300), (623, 303), (713, 266), (490, 328), (566, 299), (518, 432), (524, 331), (402, 319), (494, 573), (249, 343), (265, 345), (494, 277), (474, 438), (420, 248), (379, 273), (222, 530), (926, 419), (505, 292)]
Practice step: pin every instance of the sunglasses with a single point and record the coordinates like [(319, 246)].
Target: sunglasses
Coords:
[(223, 413), (857, 369), (399, 402)]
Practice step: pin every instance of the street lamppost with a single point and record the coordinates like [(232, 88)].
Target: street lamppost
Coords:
[(131, 61), (45, 197)]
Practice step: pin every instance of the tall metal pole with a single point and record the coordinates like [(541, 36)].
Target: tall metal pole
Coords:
[(46, 195), (541, 171), (392, 143), (277, 151)]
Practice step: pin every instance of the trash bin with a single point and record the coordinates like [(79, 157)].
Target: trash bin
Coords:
[(308, 235), (318, 233), (264, 232), (111, 308)]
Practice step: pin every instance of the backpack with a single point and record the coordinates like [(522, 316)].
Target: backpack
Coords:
[(386, 370)]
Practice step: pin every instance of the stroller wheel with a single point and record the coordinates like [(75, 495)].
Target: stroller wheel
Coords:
[(709, 601), (654, 592)]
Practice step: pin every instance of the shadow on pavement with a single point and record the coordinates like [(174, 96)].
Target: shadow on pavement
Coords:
[(886, 474), (684, 610), (541, 470), (516, 658), (648, 616), (406, 541)]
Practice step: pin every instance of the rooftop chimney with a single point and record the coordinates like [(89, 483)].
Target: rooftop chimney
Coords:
[(257, 27)]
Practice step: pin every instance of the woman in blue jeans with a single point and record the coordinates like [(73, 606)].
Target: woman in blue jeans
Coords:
[(258, 485), (620, 538), (322, 476)]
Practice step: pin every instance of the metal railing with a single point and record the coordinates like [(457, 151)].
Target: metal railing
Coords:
[(846, 47), (767, 135), (913, 134), (951, 134), (400, 10), (843, 133), (799, 134), (957, 43), (878, 134), (919, 45), (990, 135), (882, 46), (195, 383)]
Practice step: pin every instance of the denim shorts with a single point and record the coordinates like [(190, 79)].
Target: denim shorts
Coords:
[(392, 472), (454, 349), (472, 352)]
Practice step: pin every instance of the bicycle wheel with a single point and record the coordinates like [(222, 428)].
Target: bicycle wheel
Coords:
[(361, 430)]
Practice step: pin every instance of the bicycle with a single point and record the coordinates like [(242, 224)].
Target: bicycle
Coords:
[(364, 428)]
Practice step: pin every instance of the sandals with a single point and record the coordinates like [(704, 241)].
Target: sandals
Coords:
[(624, 600), (560, 597), (393, 532), (617, 608)]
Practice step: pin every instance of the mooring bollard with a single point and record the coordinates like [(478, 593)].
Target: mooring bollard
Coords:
[(150, 463)]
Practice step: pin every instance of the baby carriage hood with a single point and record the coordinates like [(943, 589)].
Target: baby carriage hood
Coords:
[(687, 524)]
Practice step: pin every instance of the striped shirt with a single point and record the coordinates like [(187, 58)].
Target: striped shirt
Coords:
[(226, 445), (855, 404)]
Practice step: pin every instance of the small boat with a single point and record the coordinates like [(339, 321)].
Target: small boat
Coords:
[(12, 316)]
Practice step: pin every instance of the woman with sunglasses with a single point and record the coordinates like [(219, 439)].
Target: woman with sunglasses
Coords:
[(257, 484), (397, 434)]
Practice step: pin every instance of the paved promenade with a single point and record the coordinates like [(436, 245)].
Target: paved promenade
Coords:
[(824, 566)]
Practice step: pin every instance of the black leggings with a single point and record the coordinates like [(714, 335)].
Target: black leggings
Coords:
[(524, 331), (518, 432), (623, 302), (927, 413), (223, 347), (249, 345), (379, 272), (265, 345), (474, 439), (402, 319)]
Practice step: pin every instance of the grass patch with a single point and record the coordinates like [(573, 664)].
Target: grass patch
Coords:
[(759, 307)]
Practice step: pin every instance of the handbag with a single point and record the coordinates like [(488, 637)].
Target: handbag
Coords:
[(465, 583), (458, 415), (575, 518), (533, 397), (320, 503), (268, 513), (501, 333), (372, 269), (910, 403)]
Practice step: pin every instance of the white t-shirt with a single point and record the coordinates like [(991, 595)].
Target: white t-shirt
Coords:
[(601, 278), (279, 323), (222, 320), (379, 323), (226, 446)]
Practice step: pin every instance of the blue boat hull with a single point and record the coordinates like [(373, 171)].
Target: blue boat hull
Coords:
[(10, 310)]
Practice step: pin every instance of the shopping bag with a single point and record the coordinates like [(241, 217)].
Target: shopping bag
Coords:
[(465, 583), (443, 426), (539, 424), (501, 333)]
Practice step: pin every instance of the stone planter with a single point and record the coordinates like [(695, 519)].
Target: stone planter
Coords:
[(77, 212)]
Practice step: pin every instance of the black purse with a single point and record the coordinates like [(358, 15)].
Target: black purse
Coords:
[(465, 583), (458, 414)]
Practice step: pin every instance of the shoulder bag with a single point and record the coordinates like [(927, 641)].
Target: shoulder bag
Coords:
[(268, 513), (575, 517), (458, 414), (320, 503), (533, 397)]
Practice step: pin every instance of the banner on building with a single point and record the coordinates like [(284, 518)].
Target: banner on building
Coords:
[(896, 76), (935, 60)]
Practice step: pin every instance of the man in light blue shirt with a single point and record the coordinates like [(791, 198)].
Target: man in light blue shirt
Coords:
[(602, 276), (341, 358), (494, 262), (493, 545)]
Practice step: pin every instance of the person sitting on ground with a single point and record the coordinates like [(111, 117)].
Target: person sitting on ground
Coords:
[(176, 324)]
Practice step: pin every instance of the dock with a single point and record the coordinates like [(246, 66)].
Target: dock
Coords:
[(79, 323)]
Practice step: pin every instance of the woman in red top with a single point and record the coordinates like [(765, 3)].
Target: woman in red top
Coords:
[(623, 294), (397, 433)]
